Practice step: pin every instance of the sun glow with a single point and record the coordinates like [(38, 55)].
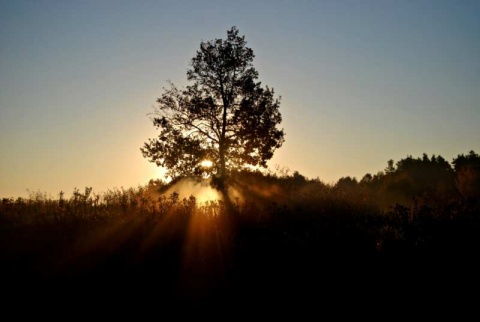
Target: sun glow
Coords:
[(206, 163), (200, 189)]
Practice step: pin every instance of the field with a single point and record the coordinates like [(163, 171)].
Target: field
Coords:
[(276, 239)]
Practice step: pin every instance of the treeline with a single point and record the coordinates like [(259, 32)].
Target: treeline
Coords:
[(408, 182), (426, 179)]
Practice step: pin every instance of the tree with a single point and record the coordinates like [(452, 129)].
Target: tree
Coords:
[(225, 116), (418, 177), (390, 167), (467, 169)]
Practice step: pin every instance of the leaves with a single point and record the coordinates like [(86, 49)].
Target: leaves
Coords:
[(225, 115)]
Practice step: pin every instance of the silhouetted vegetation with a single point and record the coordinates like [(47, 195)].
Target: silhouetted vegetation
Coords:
[(414, 227), (225, 116)]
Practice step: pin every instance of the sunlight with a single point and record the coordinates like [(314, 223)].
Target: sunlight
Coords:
[(200, 189), (206, 194), (206, 163)]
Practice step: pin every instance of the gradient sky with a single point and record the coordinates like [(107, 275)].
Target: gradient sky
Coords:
[(361, 82)]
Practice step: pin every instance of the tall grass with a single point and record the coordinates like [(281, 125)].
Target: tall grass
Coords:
[(281, 233)]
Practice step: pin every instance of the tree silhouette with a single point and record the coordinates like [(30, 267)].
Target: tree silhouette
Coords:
[(225, 116), (467, 168), (417, 177)]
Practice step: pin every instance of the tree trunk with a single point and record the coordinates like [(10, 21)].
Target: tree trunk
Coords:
[(222, 146), (222, 174)]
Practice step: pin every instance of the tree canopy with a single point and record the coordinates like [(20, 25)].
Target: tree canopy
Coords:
[(224, 115)]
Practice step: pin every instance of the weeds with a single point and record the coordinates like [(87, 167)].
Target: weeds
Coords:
[(278, 226)]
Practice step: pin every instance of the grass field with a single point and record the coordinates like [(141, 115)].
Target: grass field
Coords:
[(282, 239)]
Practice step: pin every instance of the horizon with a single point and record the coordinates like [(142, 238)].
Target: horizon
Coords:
[(202, 189), (361, 83)]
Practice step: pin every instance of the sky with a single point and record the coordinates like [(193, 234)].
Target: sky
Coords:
[(361, 82)]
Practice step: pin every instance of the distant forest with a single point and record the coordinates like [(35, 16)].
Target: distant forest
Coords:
[(405, 228), (426, 179)]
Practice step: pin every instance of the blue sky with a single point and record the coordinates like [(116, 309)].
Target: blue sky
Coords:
[(361, 82)]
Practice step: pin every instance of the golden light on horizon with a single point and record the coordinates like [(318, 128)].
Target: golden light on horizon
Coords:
[(206, 163), (207, 194)]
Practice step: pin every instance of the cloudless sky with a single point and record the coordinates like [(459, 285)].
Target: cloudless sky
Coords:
[(361, 82)]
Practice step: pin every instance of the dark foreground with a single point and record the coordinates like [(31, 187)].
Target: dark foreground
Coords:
[(184, 260)]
